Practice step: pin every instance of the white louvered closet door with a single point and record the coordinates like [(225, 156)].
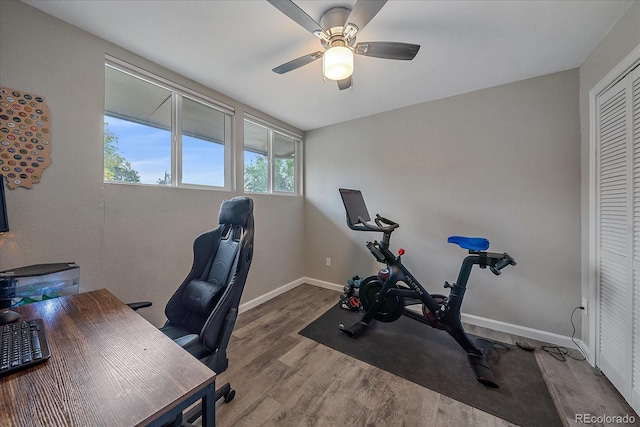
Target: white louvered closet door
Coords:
[(634, 85), (618, 242)]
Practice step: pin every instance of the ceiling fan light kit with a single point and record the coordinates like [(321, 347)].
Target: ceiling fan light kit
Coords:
[(337, 33), (337, 63)]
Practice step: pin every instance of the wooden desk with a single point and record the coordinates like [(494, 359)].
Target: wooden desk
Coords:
[(109, 367)]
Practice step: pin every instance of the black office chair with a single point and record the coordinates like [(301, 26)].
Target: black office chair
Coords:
[(202, 312)]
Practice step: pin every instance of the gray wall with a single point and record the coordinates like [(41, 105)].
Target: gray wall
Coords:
[(502, 163), (623, 38), (133, 240), (505, 162)]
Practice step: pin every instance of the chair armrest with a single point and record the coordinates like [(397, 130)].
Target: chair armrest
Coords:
[(137, 305)]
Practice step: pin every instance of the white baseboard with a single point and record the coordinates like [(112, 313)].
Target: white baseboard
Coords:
[(270, 295), (284, 288), (323, 284), (523, 331), (496, 325)]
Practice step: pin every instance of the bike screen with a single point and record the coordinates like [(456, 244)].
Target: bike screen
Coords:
[(355, 206)]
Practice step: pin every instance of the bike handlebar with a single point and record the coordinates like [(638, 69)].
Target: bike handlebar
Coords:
[(379, 220), (505, 261)]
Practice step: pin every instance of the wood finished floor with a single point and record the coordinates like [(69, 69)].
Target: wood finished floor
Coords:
[(284, 379)]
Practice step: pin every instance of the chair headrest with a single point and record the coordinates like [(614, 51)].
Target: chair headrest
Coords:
[(236, 211)]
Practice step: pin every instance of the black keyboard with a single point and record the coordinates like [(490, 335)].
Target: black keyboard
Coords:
[(22, 344)]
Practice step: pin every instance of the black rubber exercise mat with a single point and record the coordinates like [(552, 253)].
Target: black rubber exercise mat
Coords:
[(432, 359)]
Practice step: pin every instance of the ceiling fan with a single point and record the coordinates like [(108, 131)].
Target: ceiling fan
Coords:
[(337, 32)]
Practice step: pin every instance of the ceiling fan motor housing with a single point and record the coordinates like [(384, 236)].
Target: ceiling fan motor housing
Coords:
[(333, 21)]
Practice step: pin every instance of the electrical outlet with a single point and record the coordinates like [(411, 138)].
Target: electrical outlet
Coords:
[(584, 304), (328, 262)]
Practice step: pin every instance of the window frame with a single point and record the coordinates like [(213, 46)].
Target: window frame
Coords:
[(178, 94), (297, 155)]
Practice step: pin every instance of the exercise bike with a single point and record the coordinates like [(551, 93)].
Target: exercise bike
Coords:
[(385, 297)]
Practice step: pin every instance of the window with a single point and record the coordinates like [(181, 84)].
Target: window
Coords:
[(156, 132), (270, 162)]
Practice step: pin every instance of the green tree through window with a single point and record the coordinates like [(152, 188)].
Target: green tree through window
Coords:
[(256, 175), (284, 179), (270, 164), (116, 167)]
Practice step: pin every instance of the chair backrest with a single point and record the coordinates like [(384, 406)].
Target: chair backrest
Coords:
[(213, 287)]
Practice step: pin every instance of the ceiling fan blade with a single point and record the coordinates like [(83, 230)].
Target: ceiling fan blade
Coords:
[(298, 15), (363, 12), (388, 50), (298, 62), (345, 83)]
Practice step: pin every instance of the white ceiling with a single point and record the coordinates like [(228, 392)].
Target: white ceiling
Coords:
[(231, 46)]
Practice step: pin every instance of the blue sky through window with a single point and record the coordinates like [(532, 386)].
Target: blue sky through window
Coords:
[(202, 162), (148, 149)]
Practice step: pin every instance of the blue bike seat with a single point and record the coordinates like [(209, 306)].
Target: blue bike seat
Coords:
[(470, 243)]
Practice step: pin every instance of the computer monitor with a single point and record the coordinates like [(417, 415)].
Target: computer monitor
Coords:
[(4, 222), (355, 206)]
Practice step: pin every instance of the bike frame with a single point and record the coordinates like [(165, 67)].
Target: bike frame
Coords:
[(448, 315)]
